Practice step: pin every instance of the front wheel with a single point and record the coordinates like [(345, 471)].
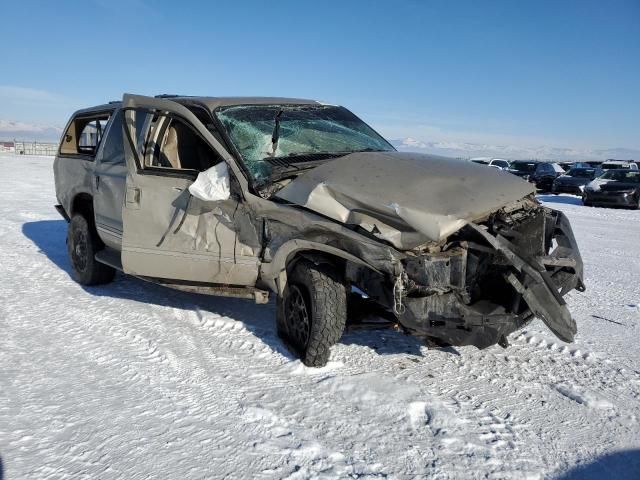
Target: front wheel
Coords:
[(312, 312)]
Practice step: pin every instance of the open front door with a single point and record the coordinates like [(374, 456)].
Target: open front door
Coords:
[(167, 233)]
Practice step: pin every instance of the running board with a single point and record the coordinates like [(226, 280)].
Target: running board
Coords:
[(255, 294), (110, 257)]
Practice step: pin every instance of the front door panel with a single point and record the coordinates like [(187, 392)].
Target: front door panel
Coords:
[(168, 233)]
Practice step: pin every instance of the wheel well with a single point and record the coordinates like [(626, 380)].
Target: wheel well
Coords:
[(319, 258), (83, 204)]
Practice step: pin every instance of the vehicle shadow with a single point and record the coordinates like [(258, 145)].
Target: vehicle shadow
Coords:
[(49, 236), (624, 465), (565, 199)]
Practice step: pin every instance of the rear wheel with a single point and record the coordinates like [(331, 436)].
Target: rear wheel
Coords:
[(312, 312), (82, 245)]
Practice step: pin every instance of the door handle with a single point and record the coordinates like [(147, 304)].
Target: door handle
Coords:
[(132, 197), (97, 181)]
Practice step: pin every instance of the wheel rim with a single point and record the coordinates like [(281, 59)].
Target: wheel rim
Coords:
[(297, 316), (79, 250)]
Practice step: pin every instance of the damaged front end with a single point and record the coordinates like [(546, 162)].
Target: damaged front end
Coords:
[(479, 255), (491, 278)]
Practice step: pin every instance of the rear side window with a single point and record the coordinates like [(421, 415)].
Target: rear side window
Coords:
[(113, 149), (84, 134)]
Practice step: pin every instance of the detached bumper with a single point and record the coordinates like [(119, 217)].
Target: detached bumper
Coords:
[(509, 277)]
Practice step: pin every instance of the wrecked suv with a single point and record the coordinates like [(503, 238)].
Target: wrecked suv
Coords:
[(246, 196)]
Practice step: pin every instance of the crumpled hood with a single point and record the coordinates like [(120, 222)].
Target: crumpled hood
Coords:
[(434, 196)]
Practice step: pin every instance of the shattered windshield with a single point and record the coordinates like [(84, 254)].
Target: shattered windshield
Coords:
[(264, 134)]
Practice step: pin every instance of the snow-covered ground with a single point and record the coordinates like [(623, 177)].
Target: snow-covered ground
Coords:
[(132, 380)]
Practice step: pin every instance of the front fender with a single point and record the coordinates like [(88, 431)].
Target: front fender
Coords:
[(274, 274)]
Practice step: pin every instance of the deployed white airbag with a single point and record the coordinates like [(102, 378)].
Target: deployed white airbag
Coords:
[(212, 185)]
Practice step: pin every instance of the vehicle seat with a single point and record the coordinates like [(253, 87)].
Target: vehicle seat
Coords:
[(169, 153)]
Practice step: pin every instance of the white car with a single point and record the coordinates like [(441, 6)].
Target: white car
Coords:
[(499, 163)]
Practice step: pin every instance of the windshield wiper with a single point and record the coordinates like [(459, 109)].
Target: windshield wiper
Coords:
[(293, 158), (275, 136)]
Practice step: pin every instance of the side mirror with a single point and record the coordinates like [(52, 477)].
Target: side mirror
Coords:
[(212, 185)]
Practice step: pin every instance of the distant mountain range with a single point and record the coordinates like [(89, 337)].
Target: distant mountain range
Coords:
[(467, 150), (29, 132)]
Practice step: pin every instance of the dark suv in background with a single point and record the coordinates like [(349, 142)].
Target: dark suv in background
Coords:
[(542, 174), (575, 179)]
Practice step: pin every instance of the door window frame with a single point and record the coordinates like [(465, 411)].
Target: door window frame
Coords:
[(143, 169), (75, 136)]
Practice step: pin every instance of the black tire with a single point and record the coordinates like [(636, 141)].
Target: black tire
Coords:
[(82, 245), (312, 312)]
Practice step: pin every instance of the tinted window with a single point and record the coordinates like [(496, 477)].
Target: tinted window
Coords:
[(113, 152), (524, 166), (582, 172), (545, 168), (628, 176)]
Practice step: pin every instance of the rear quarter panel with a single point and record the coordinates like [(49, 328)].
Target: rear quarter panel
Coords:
[(72, 175)]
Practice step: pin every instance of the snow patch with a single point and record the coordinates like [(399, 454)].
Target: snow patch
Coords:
[(418, 416), (584, 397), (299, 368)]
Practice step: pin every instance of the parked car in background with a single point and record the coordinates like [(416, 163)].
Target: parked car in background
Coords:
[(499, 163), (569, 165), (481, 160), (574, 180), (615, 188), (542, 174), (617, 164), (595, 163)]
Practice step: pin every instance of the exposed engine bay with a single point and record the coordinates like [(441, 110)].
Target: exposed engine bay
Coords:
[(489, 279)]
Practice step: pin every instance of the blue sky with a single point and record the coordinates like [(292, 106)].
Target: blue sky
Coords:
[(562, 73)]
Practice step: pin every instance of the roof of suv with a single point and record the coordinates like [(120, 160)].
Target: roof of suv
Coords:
[(212, 103)]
